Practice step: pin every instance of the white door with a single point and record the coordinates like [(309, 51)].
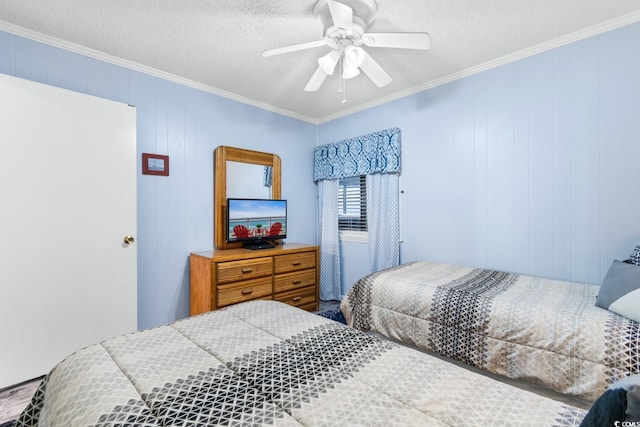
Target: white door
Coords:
[(67, 201)]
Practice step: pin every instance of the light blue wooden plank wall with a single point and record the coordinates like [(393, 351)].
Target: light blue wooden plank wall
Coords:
[(175, 213), (585, 156), (528, 167), (620, 133)]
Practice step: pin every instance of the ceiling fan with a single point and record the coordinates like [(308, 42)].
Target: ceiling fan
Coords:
[(345, 26)]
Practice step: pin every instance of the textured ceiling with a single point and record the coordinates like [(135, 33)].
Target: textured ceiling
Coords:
[(216, 45)]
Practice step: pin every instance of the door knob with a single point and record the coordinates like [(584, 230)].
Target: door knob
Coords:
[(129, 240)]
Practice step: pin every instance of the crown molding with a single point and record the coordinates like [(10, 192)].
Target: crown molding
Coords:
[(111, 59), (134, 66), (534, 50)]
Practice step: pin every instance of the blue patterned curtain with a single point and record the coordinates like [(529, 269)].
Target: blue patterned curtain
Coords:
[(328, 236), (268, 176), (377, 152), (376, 155), (383, 220)]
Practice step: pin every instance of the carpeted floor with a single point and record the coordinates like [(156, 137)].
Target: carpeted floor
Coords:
[(332, 313)]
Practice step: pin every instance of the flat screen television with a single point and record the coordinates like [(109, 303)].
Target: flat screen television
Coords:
[(256, 223)]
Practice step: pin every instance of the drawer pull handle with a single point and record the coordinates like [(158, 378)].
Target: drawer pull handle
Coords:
[(296, 282), (296, 299), (247, 270), (246, 291), (296, 263)]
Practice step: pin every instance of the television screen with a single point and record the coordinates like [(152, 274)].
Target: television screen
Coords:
[(250, 220)]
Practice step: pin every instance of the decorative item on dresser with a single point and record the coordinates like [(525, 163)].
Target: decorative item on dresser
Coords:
[(232, 179), (288, 273)]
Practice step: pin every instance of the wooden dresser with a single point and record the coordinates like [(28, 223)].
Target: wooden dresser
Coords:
[(289, 273)]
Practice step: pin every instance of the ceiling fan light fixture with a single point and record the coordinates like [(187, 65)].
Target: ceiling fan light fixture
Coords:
[(329, 61), (353, 56), (350, 72)]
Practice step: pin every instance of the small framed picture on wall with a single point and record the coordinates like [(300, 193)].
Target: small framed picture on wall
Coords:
[(155, 164)]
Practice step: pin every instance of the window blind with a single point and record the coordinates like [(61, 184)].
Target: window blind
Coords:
[(352, 203)]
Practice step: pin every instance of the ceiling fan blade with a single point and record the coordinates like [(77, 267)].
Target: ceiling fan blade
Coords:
[(293, 48), (316, 80), (375, 72), (342, 16), (398, 40)]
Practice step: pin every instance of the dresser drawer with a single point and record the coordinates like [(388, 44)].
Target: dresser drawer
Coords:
[(295, 280), (302, 297), (293, 262), (234, 271), (244, 291)]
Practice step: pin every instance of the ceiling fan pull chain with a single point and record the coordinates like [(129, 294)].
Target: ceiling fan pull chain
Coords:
[(340, 80), (344, 92), (342, 86)]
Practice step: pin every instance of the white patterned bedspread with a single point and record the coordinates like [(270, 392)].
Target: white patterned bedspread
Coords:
[(266, 363), (545, 331)]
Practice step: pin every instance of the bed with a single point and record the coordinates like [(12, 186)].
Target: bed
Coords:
[(544, 331), (267, 363)]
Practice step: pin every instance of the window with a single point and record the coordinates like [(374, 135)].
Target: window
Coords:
[(352, 203)]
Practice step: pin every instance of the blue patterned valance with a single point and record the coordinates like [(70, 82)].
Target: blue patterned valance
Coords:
[(377, 152)]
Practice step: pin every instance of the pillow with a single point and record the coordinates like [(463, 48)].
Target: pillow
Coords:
[(620, 290), (633, 404), (621, 402), (635, 256)]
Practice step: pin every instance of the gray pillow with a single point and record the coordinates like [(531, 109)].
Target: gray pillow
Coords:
[(620, 290), (632, 386), (633, 403)]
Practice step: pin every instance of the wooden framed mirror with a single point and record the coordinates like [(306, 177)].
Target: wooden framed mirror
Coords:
[(238, 173)]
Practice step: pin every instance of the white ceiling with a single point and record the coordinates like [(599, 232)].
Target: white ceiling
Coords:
[(216, 45)]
